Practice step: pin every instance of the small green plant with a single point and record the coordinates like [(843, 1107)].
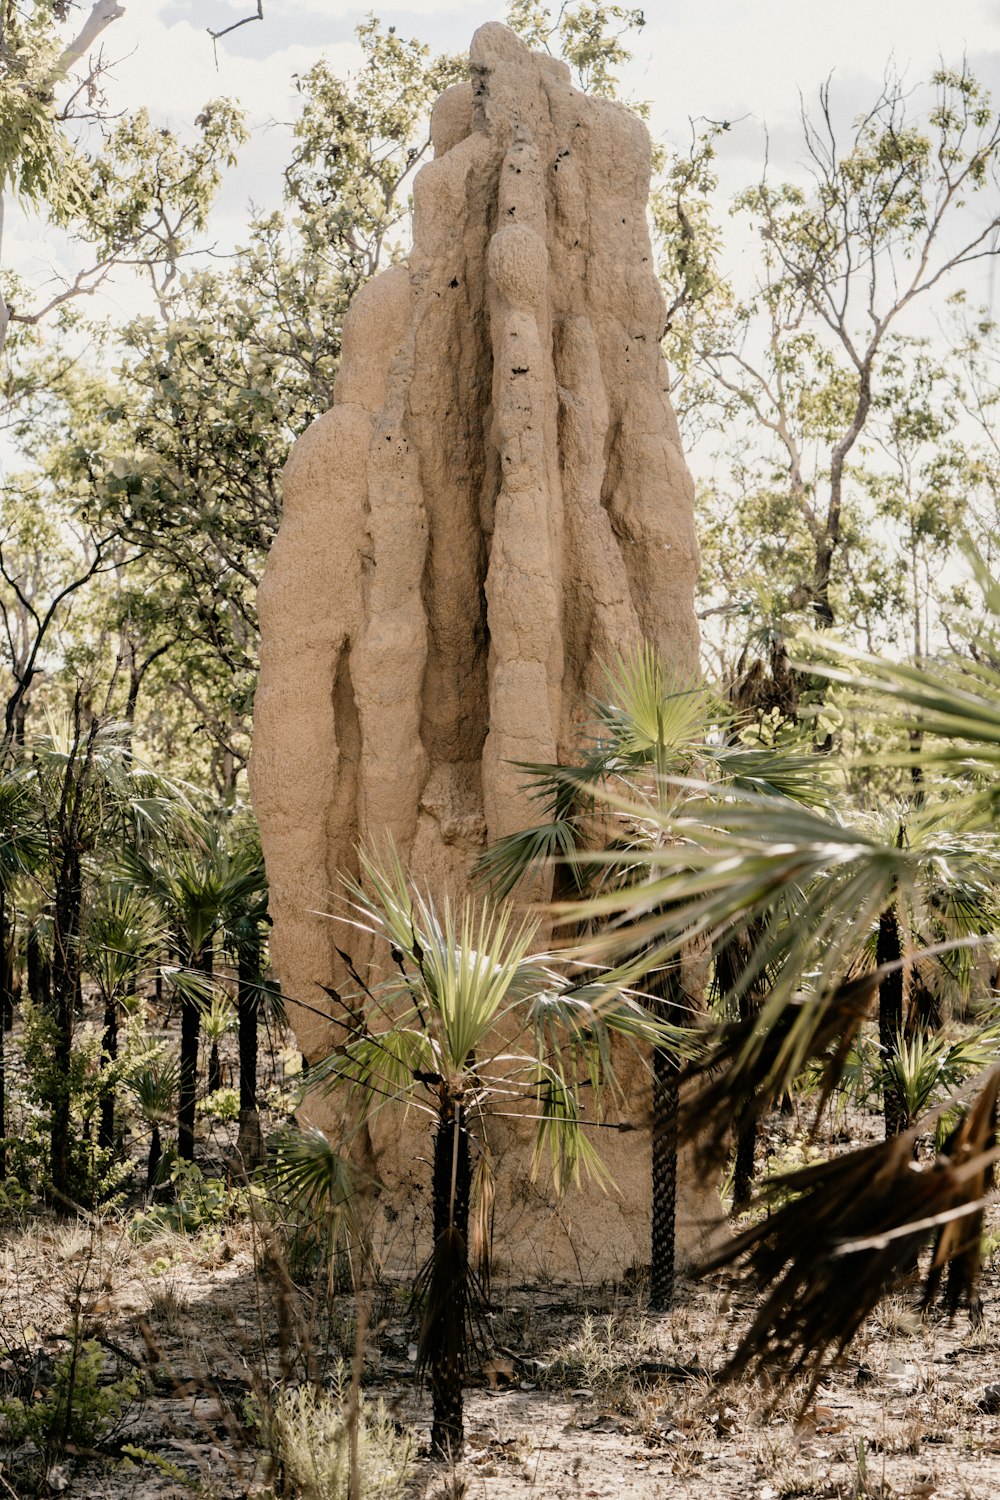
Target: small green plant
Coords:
[(224, 1104), (311, 1433), (199, 1202), (604, 1353), (923, 1068), (78, 1408)]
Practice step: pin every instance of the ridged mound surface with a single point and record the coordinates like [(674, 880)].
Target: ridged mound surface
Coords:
[(495, 504)]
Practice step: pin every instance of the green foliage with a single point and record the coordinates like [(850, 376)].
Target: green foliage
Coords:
[(81, 1407), (96, 1174), (198, 1203), (310, 1431), (588, 34)]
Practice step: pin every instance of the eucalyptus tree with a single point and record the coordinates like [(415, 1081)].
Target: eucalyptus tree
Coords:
[(469, 1020), (881, 228)]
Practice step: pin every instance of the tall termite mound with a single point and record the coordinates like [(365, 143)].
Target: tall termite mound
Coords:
[(496, 503)]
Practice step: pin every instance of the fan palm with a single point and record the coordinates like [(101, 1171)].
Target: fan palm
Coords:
[(194, 882), (816, 885), (155, 1087), (93, 796), (649, 732), (243, 919), (20, 853), (469, 1019), (123, 936)]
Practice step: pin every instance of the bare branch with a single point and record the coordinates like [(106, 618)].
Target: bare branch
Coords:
[(215, 35), (101, 16)]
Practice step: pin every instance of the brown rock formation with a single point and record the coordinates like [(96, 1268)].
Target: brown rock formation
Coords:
[(496, 503)]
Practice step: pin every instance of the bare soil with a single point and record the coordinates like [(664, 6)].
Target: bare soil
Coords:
[(576, 1392)]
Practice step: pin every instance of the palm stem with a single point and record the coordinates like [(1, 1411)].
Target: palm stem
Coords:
[(665, 985), (445, 1318), (890, 1015)]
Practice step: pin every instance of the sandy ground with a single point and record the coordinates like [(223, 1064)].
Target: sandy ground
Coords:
[(576, 1393)]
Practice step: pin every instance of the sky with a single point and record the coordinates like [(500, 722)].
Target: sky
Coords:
[(746, 61)]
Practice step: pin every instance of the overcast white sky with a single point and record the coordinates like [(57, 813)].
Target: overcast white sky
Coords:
[(741, 60)]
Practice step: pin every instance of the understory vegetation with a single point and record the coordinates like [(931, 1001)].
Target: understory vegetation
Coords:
[(776, 888)]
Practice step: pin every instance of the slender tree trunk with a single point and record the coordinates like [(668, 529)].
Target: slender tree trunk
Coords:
[(39, 973), (109, 1053), (664, 984), (190, 1028), (890, 1014), (443, 1329), (65, 983), (5, 1005), (746, 1130), (249, 1142), (155, 1152), (214, 1068)]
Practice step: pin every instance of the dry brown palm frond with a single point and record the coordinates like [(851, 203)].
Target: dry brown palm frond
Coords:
[(745, 1069), (850, 1229), (958, 1243)]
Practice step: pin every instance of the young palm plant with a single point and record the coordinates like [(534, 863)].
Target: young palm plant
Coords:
[(650, 734), (123, 938), (471, 1020), (20, 855), (195, 882), (243, 921), (817, 885), (154, 1087)]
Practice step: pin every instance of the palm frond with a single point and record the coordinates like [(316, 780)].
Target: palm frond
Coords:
[(843, 1233), (561, 1137), (308, 1174)]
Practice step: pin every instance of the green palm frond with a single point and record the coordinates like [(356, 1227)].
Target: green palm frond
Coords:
[(650, 719), (21, 841), (465, 969), (769, 772), (218, 1017), (561, 1136), (154, 1087), (924, 1066), (379, 1067), (189, 985), (124, 934), (309, 1175), (505, 863)]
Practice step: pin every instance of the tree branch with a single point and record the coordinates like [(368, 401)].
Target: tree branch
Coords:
[(101, 16), (215, 35)]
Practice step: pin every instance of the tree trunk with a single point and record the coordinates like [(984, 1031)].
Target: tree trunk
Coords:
[(214, 1068), (155, 1152), (109, 1053), (65, 983), (190, 1028), (249, 1141), (664, 984), (39, 974), (890, 1015), (5, 1004), (746, 1152), (442, 1334)]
